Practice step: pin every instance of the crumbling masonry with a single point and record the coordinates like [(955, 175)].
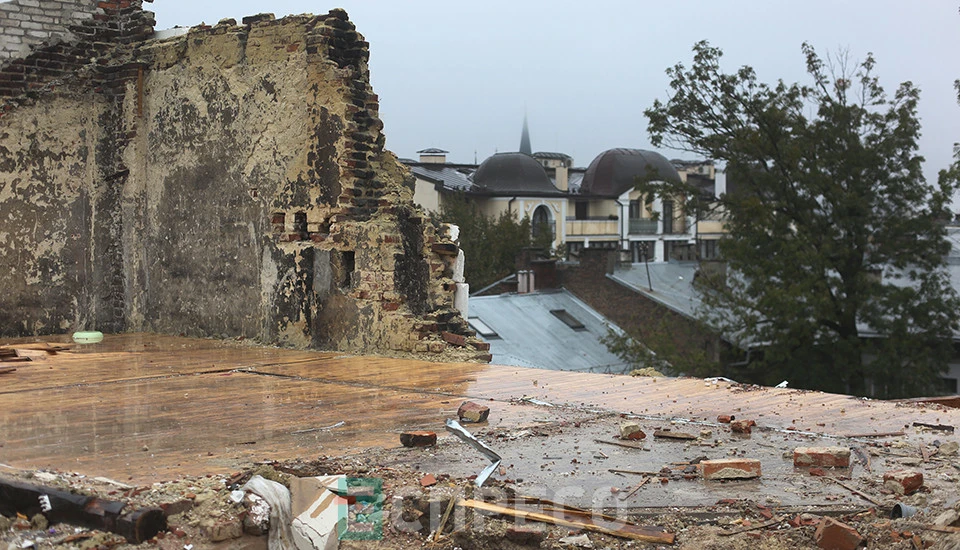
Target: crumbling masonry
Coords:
[(231, 181)]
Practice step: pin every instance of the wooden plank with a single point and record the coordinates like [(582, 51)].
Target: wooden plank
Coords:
[(624, 530)]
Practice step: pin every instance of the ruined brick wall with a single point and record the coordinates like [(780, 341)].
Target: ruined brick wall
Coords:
[(25, 24), (246, 192)]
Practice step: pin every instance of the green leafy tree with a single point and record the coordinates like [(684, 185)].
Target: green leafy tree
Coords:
[(490, 244), (837, 245)]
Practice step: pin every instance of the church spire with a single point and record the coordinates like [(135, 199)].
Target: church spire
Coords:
[(525, 138)]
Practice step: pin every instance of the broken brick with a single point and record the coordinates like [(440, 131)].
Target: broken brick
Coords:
[(742, 426), (473, 412), (428, 480), (730, 468), (418, 439), (824, 457), (454, 339), (903, 482), (631, 430), (726, 418), (834, 535)]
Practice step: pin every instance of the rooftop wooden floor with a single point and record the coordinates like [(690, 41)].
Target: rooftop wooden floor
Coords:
[(148, 407)]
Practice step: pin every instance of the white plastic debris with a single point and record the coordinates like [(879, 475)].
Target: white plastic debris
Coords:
[(278, 497), (236, 496), (782, 384)]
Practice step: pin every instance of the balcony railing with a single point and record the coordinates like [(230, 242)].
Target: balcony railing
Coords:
[(592, 227), (643, 226)]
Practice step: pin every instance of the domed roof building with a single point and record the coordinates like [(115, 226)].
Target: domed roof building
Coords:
[(616, 171), (513, 173)]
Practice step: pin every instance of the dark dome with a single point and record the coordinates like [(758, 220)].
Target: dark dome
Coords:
[(617, 170), (513, 173)]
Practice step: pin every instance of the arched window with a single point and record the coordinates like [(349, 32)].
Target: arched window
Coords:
[(541, 222)]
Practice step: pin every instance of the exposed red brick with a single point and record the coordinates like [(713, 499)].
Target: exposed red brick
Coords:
[(903, 482), (428, 480), (454, 339), (742, 426), (730, 468), (631, 430), (824, 457), (418, 439), (726, 418), (833, 535), (391, 306), (480, 346), (473, 412), (293, 47)]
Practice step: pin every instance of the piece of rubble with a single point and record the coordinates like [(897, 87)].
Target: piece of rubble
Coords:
[(256, 522), (418, 439), (730, 468), (428, 480), (834, 535), (631, 430), (225, 529), (316, 510), (949, 448), (903, 482), (824, 457), (742, 426), (473, 412), (580, 541), (949, 517), (726, 418)]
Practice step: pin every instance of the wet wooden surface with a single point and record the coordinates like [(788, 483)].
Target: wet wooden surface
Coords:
[(148, 407)]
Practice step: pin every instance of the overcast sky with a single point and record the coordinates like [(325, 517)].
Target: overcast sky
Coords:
[(460, 75)]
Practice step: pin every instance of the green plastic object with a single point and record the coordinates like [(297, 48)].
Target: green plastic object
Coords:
[(90, 337)]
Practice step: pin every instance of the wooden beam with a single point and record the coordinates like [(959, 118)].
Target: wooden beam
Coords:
[(623, 530)]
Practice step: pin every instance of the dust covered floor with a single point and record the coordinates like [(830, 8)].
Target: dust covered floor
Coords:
[(175, 418)]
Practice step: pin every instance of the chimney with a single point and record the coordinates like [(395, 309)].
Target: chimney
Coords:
[(563, 178), (433, 156)]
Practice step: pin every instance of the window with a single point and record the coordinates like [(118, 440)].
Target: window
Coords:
[(568, 319), (668, 217), (580, 210), (541, 222), (635, 209)]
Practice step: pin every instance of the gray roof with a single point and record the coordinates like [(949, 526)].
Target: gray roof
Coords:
[(530, 336), (513, 173), (450, 176), (617, 170), (432, 151)]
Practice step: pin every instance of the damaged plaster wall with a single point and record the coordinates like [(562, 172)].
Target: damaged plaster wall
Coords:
[(231, 182)]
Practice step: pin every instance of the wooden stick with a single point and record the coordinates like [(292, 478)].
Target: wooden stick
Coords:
[(939, 427), (443, 520), (773, 521), (673, 435), (627, 531), (634, 472), (618, 444), (637, 488), (864, 496)]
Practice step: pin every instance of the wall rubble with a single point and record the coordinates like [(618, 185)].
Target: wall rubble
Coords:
[(230, 182)]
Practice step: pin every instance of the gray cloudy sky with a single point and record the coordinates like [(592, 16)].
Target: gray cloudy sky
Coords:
[(459, 75)]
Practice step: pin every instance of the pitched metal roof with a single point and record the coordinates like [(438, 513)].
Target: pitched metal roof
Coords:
[(450, 176), (531, 336)]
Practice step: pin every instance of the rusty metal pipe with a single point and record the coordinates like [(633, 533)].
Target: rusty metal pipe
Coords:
[(60, 506)]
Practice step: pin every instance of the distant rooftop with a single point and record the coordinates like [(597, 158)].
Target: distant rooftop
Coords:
[(432, 151)]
